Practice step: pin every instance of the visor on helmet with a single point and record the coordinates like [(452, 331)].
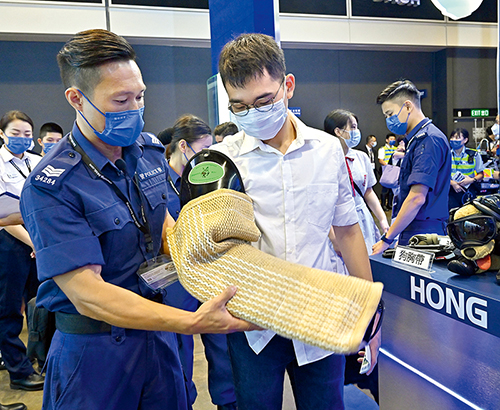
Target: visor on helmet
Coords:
[(475, 230)]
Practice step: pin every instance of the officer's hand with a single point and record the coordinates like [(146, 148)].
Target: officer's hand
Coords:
[(213, 316), (466, 181), (379, 247), (456, 186)]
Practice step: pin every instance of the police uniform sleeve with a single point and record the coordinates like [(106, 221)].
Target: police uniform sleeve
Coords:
[(479, 167), (381, 153), (62, 237), (427, 160)]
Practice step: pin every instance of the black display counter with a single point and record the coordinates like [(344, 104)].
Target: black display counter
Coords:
[(441, 338)]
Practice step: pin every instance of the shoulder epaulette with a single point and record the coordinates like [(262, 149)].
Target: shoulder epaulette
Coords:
[(50, 174)]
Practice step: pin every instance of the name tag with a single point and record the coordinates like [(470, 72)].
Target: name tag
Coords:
[(412, 257)]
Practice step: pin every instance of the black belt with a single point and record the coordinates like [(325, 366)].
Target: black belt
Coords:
[(80, 325)]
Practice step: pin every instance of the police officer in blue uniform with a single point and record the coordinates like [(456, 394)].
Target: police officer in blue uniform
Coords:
[(95, 207), (425, 170)]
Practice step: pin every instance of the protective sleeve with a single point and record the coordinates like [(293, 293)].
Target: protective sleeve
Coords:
[(210, 246)]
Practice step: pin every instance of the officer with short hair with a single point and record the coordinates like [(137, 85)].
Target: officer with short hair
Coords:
[(95, 208), (425, 170)]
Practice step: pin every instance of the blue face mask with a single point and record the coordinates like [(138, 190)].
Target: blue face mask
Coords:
[(18, 145), (47, 146), (396, 126), (392, 142), (456, 144), (122, 128), (355, 138)]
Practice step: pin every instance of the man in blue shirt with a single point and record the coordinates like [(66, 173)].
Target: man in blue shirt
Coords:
[(425, 171), (95, 208)]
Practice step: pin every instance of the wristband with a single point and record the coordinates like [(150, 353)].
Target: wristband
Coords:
[(385, 239)]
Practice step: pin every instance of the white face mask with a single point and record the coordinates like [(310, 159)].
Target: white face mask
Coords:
[(354, 140), (374, 144), (495, 129), (263, 125)]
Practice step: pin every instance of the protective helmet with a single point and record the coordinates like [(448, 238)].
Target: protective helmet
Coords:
[(476, 230), (208, 171)]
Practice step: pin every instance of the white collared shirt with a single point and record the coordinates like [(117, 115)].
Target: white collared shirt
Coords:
[(296, 196), (11, 180)]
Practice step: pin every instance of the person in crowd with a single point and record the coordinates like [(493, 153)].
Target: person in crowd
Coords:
[(298, 181), (370, 144), (224, 129), (466, 169), (425, 170), (344, 125), (18, 281), (190, 135), (384, 153), (104, 186), (50, 134)]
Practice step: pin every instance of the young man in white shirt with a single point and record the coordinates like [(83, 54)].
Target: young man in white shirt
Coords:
[(297, 179)]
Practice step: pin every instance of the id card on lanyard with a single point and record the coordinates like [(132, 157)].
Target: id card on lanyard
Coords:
[(157, 271)]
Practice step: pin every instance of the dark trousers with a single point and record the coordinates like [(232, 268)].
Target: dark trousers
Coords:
[(17, 281), (386, 197), (220, 378), (259, 378), (125, 369)]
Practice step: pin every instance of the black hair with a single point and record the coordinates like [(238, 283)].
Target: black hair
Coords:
[(81, 58), (248, 57), (400, 91), (389, 135), (458, 131), (165, 136), (13, 115), (225, 129), (190, 129), (369, 138), (337, 119), (50, 127)]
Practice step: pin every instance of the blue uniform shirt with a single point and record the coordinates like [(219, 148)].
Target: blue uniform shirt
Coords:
[(428, 162), (76, 219), (174, 187)]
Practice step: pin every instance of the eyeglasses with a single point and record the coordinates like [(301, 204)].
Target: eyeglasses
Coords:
[(473, 230), (261, 104)]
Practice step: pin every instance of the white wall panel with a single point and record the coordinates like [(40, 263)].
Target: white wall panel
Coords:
[(313, 29), (156, 22), (49, 19), (397, 33), (472, 35)]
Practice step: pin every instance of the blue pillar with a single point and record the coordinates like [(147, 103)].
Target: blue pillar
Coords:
[(230, 18)]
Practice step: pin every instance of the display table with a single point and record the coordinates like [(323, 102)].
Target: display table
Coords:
[(441, 338)]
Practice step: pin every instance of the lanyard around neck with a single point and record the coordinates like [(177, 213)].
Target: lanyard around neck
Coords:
[(26, 161), (144, 226)]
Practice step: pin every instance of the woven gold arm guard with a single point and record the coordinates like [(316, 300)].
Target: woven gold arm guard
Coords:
[(210, 247)]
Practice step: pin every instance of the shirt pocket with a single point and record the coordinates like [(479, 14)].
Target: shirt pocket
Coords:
[(155, 190), (320, 205), (113, 217)]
